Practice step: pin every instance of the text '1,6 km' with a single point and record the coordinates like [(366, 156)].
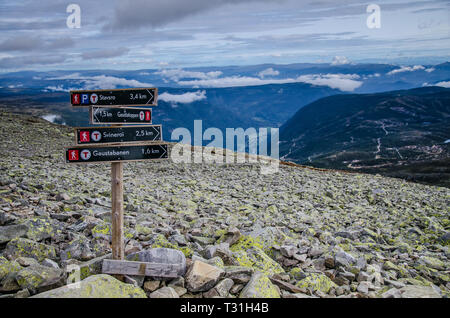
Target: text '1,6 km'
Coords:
[(88, 154), (115, 97)]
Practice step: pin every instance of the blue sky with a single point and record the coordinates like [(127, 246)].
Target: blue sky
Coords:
[(148, 34)]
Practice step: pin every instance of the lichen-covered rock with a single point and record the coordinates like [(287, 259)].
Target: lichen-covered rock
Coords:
[(249, 253), (161, 242), (7, 233), (202, 277), (103, 230), (79, 249), (40, 228), (267, 237), (24, 247), (432, 262), (96, 286), (8, 267), (419, 292), (259, 286), (316, 282), (39, 276)]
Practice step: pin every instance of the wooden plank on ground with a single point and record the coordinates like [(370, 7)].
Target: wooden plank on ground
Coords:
[(140, 268)]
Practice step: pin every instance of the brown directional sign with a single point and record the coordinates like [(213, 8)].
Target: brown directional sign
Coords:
[(120, 115), (115, 97), (105, 135), (94, 154)]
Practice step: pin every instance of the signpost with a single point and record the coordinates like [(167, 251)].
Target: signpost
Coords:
[(120, 115), (117, 144), (110, 97), (89, 154), (105, 135)]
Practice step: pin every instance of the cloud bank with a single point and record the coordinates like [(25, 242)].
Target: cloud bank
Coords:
[(343, 82), (185, 98), (406, 69), (101, 81)]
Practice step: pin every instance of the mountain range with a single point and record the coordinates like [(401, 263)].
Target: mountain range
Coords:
[(400, 133)]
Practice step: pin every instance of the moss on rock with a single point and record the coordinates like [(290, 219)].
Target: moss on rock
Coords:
[(96, 286), (21, 247), (259, 286), (8, 267), (316, 282), (249, 253), (161, 242)]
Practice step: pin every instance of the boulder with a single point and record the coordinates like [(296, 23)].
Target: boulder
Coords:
[(24, 247), (40, 228), (414, 291), (316, 282), (78, 249), (231, 236), (202, 277), (239, 274), (96, 286), (38, 277), (8, 267), (165, 292), (249, 253), (7, 233), (259, 286), (222, 289)]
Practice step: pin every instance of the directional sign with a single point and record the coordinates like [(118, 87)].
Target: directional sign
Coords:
[(120, 115), (104, 135), (93, 154), (111, 97)]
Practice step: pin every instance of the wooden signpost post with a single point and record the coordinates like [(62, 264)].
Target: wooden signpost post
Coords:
[(117, 143)]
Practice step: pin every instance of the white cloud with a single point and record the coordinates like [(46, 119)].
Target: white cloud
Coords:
[(52, 118), (101, 81), (343, 82), (443, 84), (406, 69), (268, 72), (340, 60), (177, 74), (185, 98), (15, 86), (429, 70), (58, 88)]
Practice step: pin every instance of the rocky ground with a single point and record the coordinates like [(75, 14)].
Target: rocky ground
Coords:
[(294, 234)]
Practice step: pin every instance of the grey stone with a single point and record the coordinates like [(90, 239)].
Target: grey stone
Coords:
[(239, 274), (96, 286), (202, 277), (165, 292), (415, 291), (9, 232)]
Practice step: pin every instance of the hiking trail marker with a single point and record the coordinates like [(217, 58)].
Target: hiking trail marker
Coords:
[(115, 97), (120, 115), (105, 135), (117, 144)]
